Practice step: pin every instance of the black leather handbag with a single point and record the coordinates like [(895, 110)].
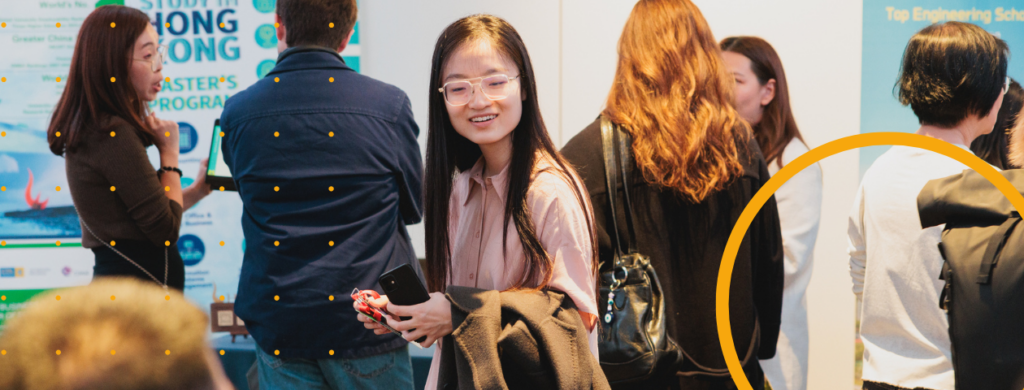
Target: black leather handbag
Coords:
[(633, 344)]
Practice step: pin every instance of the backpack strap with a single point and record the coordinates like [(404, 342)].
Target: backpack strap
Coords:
[(995, 246)]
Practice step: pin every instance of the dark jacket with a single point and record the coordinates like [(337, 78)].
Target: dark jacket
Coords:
[(516, 340), (685, 242), (326, 201)]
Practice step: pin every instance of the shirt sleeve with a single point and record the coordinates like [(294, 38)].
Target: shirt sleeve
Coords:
[(410, 164), (126, 166), (564, 233), (857, 247), (799, 203)]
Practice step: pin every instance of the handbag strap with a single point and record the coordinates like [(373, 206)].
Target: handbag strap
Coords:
[(611, 175), (618, 161), (166, 262), (995, 246)]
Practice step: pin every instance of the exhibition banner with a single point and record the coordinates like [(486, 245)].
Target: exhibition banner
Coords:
[(889, 25), (216, 48)]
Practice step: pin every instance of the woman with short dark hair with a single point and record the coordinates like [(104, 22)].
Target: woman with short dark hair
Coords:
[(130, 213), (994, 147), (953, 76)]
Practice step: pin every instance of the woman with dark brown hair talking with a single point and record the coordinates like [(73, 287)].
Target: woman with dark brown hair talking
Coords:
[(696, 167), (130, 212), (762, 99)]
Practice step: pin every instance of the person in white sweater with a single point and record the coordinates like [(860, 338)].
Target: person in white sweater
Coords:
[(953, 76), (762, 98)]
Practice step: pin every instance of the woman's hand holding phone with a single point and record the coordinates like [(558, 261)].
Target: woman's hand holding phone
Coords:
[(432, 319), (368, 322)]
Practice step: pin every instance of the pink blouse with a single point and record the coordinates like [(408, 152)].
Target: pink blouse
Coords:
[(476, 215)]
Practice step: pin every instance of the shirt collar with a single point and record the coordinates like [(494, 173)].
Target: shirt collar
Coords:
[(498, 181)]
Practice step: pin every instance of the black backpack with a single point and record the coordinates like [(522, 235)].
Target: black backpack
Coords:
[(983, 248)]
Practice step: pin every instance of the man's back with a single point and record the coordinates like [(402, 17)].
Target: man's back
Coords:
[(896, 265), (329, 171)]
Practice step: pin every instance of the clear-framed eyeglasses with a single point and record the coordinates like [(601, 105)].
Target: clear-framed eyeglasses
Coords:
[(157, 60), (459, 93)]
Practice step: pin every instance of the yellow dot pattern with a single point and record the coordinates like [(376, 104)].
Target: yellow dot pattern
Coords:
[(331, 134), (332, 25), (113, 243), (331, 243), (276, 188), (3, 188), (222, 188), (331, 352), (3, 243), (4, 25), (222, 134), (58, 26), (58, 297), (331, 188), (58, 79), (276, 25), (58, 352), (58, 244), (112, 188), (168, 25), (167, 134), (58, 134), (331, 79), (222, 352), (112, 24), (3, 297), (112, 134), (112, 297), (113, 79), (276, 352), (277, 298), (167, 243), (3, 79), (277, 79), (3, 351), (167, 352), (113, 352), (277, 134), (58, 188), (167, 297), (330, 298), (222, 243), (222, 25), (167, 188), (167, 79), (222, 298), (222, 79), (277, 243)]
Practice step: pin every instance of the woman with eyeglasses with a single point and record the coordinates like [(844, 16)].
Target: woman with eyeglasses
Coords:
[(130, 211), (503, 209)]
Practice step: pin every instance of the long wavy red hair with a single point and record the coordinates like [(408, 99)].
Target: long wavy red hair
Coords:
[(672, 93)]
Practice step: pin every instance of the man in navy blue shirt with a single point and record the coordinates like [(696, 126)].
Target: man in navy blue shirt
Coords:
[(329, 171)]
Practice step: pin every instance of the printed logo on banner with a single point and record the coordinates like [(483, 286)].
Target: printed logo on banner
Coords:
[(66, 271), (265, 67), (266, 36), (6, 272), (191, 249), (187, 137), (265, 6), (109, 2)]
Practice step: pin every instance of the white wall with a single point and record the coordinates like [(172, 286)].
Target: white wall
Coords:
[(572, 43)]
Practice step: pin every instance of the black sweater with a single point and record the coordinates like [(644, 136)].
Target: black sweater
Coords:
[(685, 242)]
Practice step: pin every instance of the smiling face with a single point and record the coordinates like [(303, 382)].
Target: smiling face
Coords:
[(483, 121), (146, 82)]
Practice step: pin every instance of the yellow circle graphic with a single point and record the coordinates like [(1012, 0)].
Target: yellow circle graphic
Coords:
[(732, 247)]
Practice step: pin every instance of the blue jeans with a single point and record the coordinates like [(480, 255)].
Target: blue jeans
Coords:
[(390, 370)]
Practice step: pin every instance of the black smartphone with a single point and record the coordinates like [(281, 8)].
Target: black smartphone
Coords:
[(403, 287)]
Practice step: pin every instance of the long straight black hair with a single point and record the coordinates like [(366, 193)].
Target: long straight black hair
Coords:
[(449, 153), (101, 52)]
